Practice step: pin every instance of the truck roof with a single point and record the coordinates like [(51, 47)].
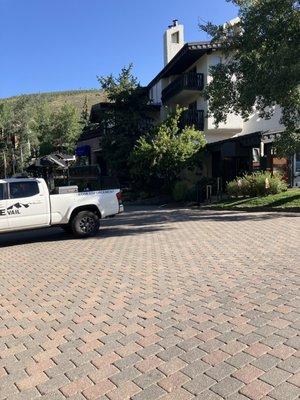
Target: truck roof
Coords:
[(7, 180)]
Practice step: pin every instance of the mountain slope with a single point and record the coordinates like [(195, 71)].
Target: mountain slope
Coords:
[(57, 99)]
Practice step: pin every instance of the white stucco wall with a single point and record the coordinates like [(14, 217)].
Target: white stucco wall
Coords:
[(171, 48), (155, 93), (234, 126), (255, 123)]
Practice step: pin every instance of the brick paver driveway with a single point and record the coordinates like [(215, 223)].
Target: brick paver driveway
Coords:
[(163, 304)]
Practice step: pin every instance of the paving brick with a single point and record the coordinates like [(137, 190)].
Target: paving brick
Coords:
[(53, 385), (239, 396), (164, 292), (95, 391), (173, 381), (257, 349), (149, 363), (273, 340), (227, 386), (293, 342), (266, 362), (233, 347), (295, 379), (220, 371), (149, 378), (282, 352), (256, 389), (292, 364), (215, 357), (128, 361), (150, 393), (31, 381), (192, 355), (196, 368), (248, 373), (124, 392), (240, 359), (275, 376), (127, 374), (178, 394), (76, 386), (199, 384), (285, 391)]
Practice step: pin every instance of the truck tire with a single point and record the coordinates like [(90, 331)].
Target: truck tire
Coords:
[(85, 224)]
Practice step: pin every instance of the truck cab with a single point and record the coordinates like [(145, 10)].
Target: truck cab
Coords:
[(24, 204)]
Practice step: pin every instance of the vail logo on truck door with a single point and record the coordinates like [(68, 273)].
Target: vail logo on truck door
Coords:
[(13, 209)]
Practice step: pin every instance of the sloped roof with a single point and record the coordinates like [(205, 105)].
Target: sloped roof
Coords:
[(185, 57)]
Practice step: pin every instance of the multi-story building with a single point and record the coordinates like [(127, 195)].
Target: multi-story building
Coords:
[(233, 147)]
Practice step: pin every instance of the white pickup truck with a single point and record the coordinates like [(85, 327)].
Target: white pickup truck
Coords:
[(27, 204)]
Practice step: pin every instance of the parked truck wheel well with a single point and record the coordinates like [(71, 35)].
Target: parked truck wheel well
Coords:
[(91, 208)]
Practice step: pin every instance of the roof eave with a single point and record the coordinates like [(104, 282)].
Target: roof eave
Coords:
[(191, 46)]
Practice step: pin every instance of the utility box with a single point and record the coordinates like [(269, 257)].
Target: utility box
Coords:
[(67, 189)]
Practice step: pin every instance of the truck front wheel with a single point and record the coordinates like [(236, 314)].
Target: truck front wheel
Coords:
[(85, 224)]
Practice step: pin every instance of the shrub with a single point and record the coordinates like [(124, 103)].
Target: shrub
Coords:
[(233, 188), (180, 190), (164, 152), (256, 184)]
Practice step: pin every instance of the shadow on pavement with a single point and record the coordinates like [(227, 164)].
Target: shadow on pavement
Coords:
[(137, 221)]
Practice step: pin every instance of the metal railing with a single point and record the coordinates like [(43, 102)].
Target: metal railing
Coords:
[(188, 81), (192, 117)]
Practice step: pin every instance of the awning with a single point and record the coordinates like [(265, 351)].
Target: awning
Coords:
[(83, 151)]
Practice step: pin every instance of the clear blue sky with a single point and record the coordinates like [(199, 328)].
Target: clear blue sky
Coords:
[(49, 45)]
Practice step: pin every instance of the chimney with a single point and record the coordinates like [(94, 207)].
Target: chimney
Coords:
[(173, 40)]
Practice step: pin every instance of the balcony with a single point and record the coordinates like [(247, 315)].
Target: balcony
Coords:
[(192, 117), (188, 82)]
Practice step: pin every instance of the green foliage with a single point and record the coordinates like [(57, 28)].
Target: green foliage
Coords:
[(55, 130), (125, 121), (85, 114), (256, 184), (180, 191), (165, 151), (30, 127), (57, 99), (120, 88), (262, 65), (284, 201)]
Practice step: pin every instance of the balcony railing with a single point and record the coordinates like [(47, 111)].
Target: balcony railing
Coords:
[(192, 117), (188, 81)]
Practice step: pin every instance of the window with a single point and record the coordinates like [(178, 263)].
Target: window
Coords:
[(23, 189), (175, 37), (1, 191)]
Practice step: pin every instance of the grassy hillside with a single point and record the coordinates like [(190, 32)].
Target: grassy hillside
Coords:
[(57, 99)]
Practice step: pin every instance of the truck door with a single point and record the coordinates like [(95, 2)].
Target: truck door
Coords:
[(27, 205), (3, 201)]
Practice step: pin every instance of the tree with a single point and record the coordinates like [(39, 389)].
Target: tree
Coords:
[(262, 65), (5, 124), (41, 126), (17, 136), (163, 153), (123, 122), (64, 127), (56, 130), (85, 115)]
